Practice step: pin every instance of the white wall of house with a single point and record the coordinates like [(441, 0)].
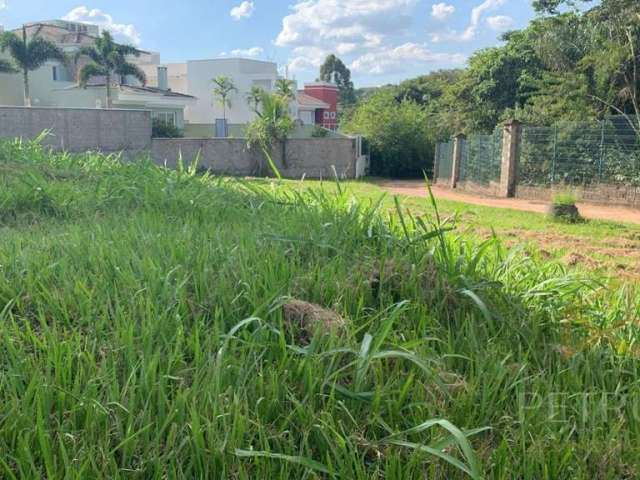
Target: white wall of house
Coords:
[(308, 117), (11, 91), (244, 74), (96, 97), (195, 78), (41, 84), (176, 72)]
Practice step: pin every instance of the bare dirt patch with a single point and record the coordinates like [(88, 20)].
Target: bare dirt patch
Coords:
[(416, 188), (309, 318)]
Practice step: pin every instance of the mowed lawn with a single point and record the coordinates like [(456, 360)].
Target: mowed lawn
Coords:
[(164, 324)]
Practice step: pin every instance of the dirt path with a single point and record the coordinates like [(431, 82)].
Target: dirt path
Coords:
[(416, 188)]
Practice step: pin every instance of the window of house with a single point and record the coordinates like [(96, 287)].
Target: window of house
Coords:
[(165, 117), (333, 115), (60, 73), (327, 115)]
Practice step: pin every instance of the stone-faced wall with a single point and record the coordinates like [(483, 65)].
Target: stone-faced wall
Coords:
[(312, 158), (80, 129), (625, 195)]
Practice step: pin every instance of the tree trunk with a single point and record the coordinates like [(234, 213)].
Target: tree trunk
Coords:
[(108, 91), (25, 72), (27, 93)]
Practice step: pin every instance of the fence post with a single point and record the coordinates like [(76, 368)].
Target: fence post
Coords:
[(436, 163), (457, 158), (509, 166)]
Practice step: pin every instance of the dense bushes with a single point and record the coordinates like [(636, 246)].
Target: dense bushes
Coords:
[(397, 133), (162, 129)]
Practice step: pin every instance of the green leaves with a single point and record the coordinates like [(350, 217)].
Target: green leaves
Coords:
[(29, 54), (397, 132), (108, 59)]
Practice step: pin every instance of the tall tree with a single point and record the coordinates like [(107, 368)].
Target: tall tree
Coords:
[(335, 71), (108, 60), (29, 55), (605, 53), (552, 6), (273, 125), (222, 88)]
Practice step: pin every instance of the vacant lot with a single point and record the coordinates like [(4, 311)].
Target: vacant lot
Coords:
[(608, 248), (160, 324)]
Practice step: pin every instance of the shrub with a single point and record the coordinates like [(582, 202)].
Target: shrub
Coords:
[(272, 125), (162, 129), (319, 132), (396, 132), (564, 198), (563, 207)]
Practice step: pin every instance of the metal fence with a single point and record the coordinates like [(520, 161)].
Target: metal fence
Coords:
[(480, 158), (606, 152), (445, 160)]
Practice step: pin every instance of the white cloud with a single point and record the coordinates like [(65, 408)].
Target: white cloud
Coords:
[(476, 16), (307, 58), (331, 22), (372, 36), (3, 4), (122, 32), (500, 23), (393, 60), (247, 52), (315, 28), (471, 31), (442, 11), (244, 10)]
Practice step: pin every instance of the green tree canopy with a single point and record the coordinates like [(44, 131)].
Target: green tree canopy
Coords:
[(286, 88), (109, 60), (222, 88), (397, 133), (335, 71), (29, 55)]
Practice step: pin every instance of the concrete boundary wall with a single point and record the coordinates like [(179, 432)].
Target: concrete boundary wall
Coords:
[(80, 129), (311, 158), (129, 131)]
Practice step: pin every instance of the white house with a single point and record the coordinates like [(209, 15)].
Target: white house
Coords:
[(54, 84), (195, 77)]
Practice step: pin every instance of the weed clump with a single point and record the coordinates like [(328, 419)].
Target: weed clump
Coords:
[(563, 208)]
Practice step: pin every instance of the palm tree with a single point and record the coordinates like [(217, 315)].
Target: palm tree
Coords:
[(29, 55), (273, 125), (223, 86), (286, 88), (254, 97), (108, 59)]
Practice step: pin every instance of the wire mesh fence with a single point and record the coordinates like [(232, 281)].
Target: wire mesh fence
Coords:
[(606, 152), (480, 158), (445, 161)]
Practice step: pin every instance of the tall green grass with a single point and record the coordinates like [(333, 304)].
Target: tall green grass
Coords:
[(142, 336)]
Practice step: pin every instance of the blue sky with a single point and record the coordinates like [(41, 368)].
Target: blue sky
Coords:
[(380, 40)]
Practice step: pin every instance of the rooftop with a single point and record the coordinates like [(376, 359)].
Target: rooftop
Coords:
[(307, 101), (138, 89)]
